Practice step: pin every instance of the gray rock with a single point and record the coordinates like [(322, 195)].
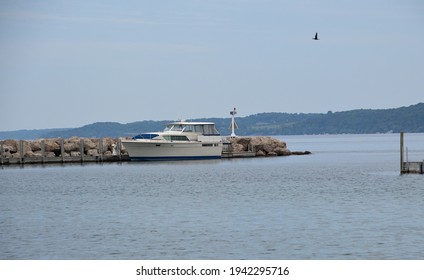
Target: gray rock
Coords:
[(75, 154), (92, 153), (71, 147)]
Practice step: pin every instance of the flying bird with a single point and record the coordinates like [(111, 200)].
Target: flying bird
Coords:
[(316, 36)]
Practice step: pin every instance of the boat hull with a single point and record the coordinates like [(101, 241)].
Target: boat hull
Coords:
[(146, 150)]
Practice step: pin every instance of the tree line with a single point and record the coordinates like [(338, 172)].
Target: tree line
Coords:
[(362, 121)]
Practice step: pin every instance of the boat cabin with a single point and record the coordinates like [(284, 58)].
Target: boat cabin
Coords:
[(181, 131), (206, 129)]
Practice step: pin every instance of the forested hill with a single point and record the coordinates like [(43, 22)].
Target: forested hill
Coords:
[(407, 119)]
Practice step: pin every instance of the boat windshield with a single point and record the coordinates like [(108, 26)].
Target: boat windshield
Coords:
[(145, 136), (205, 129), (174, 127)]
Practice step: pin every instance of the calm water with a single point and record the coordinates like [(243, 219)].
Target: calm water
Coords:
[(346, 201)]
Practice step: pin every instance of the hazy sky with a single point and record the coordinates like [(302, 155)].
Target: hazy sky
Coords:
[(71, 63)]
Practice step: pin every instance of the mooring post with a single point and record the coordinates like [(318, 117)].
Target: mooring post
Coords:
[(21, 151), (101, 148), (1, 152), (62, 149), (43, 150), (119, 149), (82, 149), (401, 152)]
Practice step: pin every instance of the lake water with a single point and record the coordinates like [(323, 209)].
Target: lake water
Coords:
[(345, 201)]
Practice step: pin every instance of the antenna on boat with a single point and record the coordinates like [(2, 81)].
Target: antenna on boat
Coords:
[(233, 122)]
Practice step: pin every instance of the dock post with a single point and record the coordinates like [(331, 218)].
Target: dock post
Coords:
[(119, 149), (43, 150), (101, 149), (1, 152), (62, 149), (82, 149), (21, 151), (401, 153)]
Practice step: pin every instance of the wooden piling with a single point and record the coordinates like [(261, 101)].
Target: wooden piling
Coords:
[(119, 143), (101, 149), (62, 149), (82, 149), (401, 153), (21, 151), (1, 152), (407, 166), (43, 150)]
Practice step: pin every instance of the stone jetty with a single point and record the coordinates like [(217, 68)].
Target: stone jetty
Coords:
[(78, 149), (73, 149), (257, 146)]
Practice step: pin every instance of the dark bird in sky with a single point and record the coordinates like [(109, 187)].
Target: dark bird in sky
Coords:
[(316, 36)]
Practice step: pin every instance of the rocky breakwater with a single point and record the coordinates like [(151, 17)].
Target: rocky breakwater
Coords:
[(74, 147), (260, 146)]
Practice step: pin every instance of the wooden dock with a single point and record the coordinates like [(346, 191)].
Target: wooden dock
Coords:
[(60, 160), (228, 152), (238, 155), (409, 167)]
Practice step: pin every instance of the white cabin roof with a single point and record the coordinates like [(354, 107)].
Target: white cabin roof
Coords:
[(190, 123)]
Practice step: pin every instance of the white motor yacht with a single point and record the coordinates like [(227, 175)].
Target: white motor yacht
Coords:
[(180, 140)]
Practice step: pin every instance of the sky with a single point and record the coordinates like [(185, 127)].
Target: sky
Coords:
[(66, 64)]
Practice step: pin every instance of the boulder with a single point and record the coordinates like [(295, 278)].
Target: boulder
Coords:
[(37, 154), (7, 154), (108, 144), (29, 154), (93, 153), (9, 149), (261, 145), (16, 155), (51, 145), (27, 150), (238, 148), (71, 147), (301, 153), (244, 141), (10, 145), (282, 151), (49, 154), (75, 154), (89, 144), (36, 145), (267, 144)]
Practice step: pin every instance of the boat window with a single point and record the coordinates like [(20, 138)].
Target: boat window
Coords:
[(145, 136), (198, 129), (205, 129), (209, 129), (188, 128), (175, 138), (177, 127), (174, 127)]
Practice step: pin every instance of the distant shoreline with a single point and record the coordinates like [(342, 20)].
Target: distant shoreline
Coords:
[(363, 121)]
